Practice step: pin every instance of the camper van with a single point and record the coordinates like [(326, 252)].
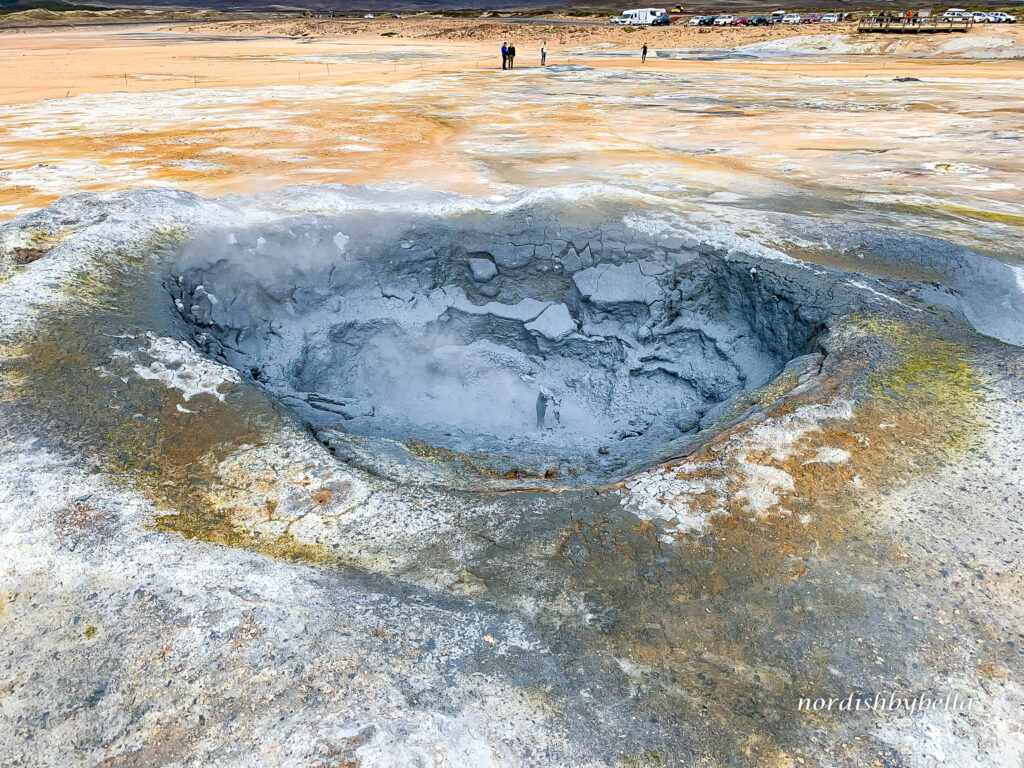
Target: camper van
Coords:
[(643, 16)]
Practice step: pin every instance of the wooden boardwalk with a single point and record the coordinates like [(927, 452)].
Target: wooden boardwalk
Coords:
[(912, 26)]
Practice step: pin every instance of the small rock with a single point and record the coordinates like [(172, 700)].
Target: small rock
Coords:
[(482, 269)]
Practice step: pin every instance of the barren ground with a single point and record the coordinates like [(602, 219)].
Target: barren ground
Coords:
[(244, 106), (251, 508)]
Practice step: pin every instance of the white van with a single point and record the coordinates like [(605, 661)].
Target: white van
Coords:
[(641, 16)]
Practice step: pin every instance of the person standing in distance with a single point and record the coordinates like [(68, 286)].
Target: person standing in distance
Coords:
[(512, 56), (504, 55), (643, 54), (544, 53)]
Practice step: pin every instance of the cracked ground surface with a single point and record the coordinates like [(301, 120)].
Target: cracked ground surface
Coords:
[(205, 561)]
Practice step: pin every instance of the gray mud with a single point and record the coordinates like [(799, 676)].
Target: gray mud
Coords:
[(553, 346)]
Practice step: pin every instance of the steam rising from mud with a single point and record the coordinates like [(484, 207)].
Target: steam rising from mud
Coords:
[(586, 346)]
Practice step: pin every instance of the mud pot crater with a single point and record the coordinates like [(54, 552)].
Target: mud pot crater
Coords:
[(502, 345)]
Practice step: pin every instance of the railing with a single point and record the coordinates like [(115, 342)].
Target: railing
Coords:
[(912, 26)]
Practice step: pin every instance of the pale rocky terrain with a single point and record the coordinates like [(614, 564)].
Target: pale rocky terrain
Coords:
[(364, 404)]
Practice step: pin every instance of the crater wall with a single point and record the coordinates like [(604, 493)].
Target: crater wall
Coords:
[(586, 346)]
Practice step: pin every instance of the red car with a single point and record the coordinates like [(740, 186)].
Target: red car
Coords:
[(812, 18), (739, 21)]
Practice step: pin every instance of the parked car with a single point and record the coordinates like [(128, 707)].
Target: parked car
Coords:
[(696, 21), (707, 21), (830, 18), (776, 17), (619, 20), (791, 18), (739, 21), (979, 17), (758, 20), (955, 14), (367, 15), (998, 17), (661, 20), (724, 20), (812, 18)]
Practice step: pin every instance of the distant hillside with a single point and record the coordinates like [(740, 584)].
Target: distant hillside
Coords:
[(338, 6), (14, 6)]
